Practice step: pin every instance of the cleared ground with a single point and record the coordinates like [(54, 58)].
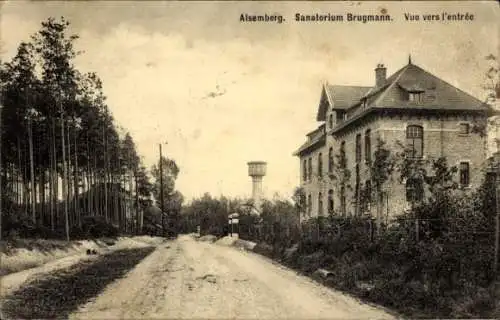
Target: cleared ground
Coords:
[(189, 279)]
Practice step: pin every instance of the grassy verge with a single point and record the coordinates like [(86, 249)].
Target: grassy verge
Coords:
[(60, 293), (383, 284), (21, 254)]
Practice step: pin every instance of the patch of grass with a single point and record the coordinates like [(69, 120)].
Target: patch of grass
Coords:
[(60, 293), (42, 245)]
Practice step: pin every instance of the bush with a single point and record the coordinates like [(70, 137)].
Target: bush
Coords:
[(443, 274), (94, 227)]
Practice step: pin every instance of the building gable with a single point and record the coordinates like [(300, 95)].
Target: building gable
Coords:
[(435, 92), (338, 97)]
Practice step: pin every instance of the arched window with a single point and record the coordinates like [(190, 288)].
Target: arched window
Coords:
[(414, 190), (368, 146), (368, 191), (309, 204), (304, 171), (343, 156), (367, 196), (330, 160), (358, 148), (330, 201), (320, 204), (415, 141), (320, 165)]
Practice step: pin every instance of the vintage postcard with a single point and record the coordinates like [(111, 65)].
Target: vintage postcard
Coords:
[(249, 159)]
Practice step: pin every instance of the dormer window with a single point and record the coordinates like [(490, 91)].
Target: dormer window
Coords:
[(415, 97)]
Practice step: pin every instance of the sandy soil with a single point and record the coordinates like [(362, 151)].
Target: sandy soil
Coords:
[(190, 279)]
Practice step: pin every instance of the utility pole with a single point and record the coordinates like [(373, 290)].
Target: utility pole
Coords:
[(1, 169), (161, 193)]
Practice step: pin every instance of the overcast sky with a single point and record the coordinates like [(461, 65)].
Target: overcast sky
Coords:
[(159, 61)]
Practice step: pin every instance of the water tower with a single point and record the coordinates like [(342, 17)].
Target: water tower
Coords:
[(257, 170)]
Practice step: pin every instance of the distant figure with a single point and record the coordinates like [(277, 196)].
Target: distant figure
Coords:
[(91, 251)]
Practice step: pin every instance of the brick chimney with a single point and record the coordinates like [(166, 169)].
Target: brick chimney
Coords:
[(380, 75)]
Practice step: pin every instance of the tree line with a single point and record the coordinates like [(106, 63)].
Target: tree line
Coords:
[(63, 156)]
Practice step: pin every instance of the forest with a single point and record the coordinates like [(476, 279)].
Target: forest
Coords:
[(66, 166)]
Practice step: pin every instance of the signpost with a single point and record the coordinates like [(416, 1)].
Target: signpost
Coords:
[(233, 219)]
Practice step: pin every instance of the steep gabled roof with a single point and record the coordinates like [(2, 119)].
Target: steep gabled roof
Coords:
[(340, 97), (316, 138), (437, 93)]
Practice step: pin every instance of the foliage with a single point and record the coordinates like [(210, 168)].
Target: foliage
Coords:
[(51, 106), (381, 169), (340, 171), (172, 199), (299, 200), (492, 79), (434, 260), (209, 213)]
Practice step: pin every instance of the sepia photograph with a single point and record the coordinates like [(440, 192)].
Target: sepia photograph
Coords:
[(249, 159)]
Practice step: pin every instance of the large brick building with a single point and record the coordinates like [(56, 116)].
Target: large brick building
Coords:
[(412, 108)]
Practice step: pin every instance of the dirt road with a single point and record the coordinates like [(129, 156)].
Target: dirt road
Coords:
[(190, 279)]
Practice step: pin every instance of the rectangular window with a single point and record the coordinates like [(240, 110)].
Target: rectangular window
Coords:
[(320, 165), (320, 204), (330, 201), (304, 170), (464, 174), (464, 128), (342, 201), (415, 141), (310, 169)]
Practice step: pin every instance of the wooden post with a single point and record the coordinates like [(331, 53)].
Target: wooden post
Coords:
[(1, 170)]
